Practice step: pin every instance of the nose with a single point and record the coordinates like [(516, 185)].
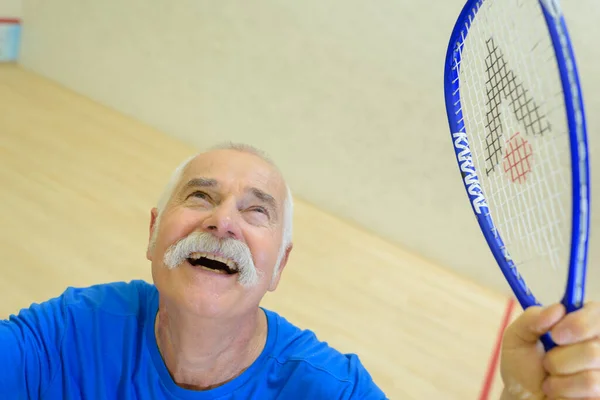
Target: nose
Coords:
[(222, 222)]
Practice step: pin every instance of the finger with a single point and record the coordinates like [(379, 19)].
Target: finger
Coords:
[(531, 324), (570, 359), (573, 398), (582, 385), (578, 326)]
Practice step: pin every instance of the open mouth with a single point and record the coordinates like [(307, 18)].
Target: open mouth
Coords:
[(213, 263)]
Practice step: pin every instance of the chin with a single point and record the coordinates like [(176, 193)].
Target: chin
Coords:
[(204, 293)]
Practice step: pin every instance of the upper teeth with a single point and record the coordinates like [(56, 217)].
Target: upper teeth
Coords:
[(230, 263)]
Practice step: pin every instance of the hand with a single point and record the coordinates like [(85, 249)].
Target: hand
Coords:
[(569, 371)]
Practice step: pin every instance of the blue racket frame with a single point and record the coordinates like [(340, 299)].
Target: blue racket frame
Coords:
[(574, 294)]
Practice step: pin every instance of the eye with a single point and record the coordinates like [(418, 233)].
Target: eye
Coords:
[(200, 195), (260, 210)]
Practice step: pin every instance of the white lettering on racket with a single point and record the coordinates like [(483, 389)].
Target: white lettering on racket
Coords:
[(468, 172)]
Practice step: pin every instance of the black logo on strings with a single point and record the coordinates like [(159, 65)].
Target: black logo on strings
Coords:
[(502, 83)]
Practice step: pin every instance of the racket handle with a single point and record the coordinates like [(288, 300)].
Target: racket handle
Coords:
[(547, 339), (547, 342)]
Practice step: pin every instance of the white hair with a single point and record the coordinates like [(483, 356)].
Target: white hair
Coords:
[(288, 205)]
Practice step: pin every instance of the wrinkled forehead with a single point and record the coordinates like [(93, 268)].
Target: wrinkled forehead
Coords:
[(236, 171)]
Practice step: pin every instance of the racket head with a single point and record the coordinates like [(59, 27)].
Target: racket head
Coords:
[(567, 79)]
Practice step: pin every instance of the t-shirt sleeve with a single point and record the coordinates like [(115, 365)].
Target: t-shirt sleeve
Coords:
[(29, 349), (364, 387)]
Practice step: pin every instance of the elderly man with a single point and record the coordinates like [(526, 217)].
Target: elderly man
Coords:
[(218, 241)]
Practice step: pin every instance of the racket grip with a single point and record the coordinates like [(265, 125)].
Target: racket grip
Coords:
[(547, 342), (547, 339)]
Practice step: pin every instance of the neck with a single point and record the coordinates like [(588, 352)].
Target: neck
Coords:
[(204, 353)]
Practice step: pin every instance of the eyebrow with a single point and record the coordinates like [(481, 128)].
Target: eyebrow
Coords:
[(200, 182)]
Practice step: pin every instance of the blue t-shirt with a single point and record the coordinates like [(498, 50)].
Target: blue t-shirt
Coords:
[(99, 343)]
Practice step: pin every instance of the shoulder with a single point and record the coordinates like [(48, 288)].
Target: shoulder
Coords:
[(117, 298), (114, 297), (46, 337), (316, 363)]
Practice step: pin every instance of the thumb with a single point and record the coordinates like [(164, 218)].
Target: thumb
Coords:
[(532, 324)]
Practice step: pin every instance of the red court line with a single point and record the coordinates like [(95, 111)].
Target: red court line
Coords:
[(491, 370), (10, 21)]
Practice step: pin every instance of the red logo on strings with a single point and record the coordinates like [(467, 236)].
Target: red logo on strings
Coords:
[(518, 158)]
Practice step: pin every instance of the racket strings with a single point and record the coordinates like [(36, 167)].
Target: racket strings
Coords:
[(528, 225)]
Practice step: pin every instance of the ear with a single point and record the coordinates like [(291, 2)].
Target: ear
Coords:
[(152, 229), (284, 260)]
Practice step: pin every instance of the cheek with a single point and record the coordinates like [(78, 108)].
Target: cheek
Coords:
[(177, 225), (265, 250)]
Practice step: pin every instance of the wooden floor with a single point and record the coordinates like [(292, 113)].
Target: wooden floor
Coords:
[(77, 184)]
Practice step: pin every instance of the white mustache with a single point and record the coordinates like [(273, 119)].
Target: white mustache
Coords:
[(207, 243)]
